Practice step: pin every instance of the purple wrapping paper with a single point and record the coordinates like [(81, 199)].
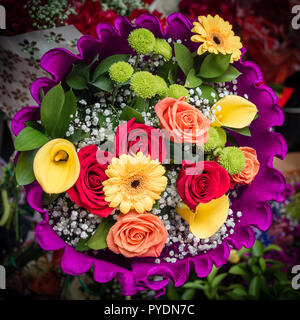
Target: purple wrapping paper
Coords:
[(252, 200)]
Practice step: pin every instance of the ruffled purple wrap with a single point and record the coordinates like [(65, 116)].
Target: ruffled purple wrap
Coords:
[(135, 274)]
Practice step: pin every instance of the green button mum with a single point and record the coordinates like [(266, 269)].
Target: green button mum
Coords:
[(144, 84), (142, 41), (163, 49), (120, 71), (232, 159), (177, 91), (217, 139)]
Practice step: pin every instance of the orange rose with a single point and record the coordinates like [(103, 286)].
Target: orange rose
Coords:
[(137, 235), (250, 170), (183, 122)]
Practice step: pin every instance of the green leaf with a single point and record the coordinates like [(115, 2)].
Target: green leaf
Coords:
[(214, 65), (53, 100), (192, 81), (173, 73), (257, 249), (239, 291), (218, 279), (98, 239), (128, 113), (24, 167), (63, 115), (189, 294), (237, 270), (262, 263), (230, 74), (82, 245), (209, 93), (29, 139), (184, 58), (105, 64), (103, 83), (56, 109), (253, 289), (79, 76), (197, 284), (243, 131), (35, 125), (140, 104), (212, 274), (172, 293), (271, 247), (77, 136)]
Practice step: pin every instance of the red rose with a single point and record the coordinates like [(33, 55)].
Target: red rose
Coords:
[(132, 137), (88, 189), (201, 182)]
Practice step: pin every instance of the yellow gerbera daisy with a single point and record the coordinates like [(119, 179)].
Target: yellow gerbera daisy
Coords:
[(135, 182), (217, 37)]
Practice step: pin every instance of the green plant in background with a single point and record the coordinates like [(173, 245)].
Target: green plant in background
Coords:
[(251, 277), (10, 196), (122, 7), (293, 208)]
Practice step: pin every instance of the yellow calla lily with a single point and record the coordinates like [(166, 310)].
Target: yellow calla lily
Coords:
[(56, 166), (208, 218), (234, 112)]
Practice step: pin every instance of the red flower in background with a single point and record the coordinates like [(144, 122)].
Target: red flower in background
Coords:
[(224, 8), (89, 15)]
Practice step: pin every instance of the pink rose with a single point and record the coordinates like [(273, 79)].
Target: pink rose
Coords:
[(182, 121), (137, 235)]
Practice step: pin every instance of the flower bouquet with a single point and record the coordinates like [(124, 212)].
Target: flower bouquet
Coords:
[(150, 152)]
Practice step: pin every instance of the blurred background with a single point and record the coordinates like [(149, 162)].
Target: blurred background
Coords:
[(270, 30)]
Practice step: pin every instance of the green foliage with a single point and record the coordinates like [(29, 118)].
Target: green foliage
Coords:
[(231, 73), (192, 81), (24, 167), (128, 113), (184, 58), (79, 76), (214, 65), (56, 109), (29, 139), (103, 83), (98, 239), (243, 131), (253, 278)]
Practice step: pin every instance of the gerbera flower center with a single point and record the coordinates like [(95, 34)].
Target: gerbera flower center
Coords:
[(217, 39), (135, 183)]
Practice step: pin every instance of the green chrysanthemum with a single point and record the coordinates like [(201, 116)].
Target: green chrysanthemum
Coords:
[(232, 159), (144, 84), (120, 71), (177, 91), (216, 139), (162, 86), (162, 48), (142, 41)]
